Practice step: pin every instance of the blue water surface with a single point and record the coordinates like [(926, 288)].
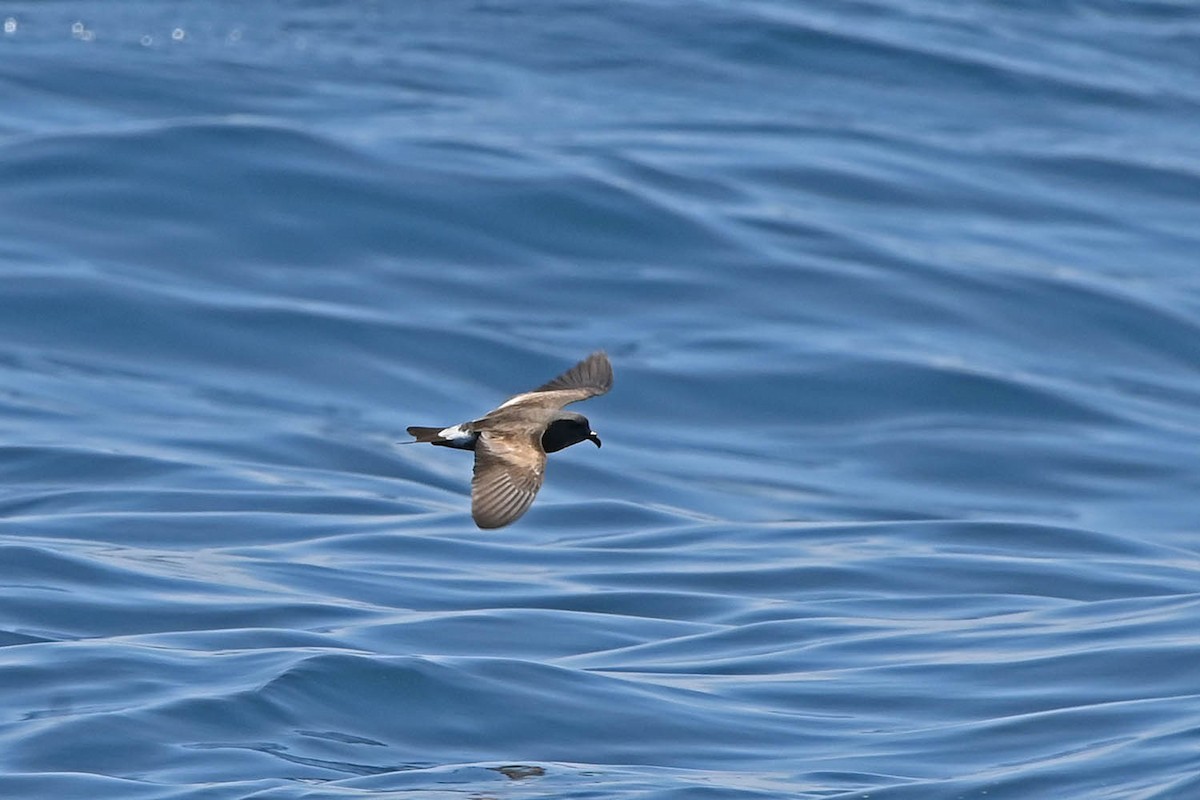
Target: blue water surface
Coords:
[(898, 497)]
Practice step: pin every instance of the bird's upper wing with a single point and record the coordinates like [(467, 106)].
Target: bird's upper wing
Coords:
[(508, 473), (590, 377)]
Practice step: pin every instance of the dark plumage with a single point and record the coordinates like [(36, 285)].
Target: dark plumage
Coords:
[(512, 440)]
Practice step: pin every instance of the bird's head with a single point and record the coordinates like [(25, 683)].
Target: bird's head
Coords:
[(566, 429)]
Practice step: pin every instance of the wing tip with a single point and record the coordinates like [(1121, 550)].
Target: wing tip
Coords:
[(594, 372), (485, 524), (490, 517)]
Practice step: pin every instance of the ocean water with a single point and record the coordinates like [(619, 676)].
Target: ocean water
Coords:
[(899, 495)]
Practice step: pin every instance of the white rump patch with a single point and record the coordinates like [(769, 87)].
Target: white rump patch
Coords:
[(457, 434)]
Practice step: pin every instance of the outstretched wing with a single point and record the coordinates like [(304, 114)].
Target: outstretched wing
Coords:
[(590, 377), (508, 473)]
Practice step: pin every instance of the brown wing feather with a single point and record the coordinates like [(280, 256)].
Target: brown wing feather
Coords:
[(594, 374), (508, 474), (591, 377)]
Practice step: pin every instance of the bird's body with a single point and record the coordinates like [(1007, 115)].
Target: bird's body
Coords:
[(511, 441)]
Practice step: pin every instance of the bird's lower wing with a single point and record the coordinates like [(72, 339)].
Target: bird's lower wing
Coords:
[(508, 474)]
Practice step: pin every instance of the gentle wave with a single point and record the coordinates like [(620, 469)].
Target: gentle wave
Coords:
[(897, 495)]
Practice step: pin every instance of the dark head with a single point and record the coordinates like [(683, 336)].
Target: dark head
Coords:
[(567, 429)]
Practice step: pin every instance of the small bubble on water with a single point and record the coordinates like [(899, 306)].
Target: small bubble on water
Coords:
[(178, 34), (147, 40), (10, 25)]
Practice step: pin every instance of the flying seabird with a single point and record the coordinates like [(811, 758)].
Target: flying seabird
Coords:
[(512, 440)]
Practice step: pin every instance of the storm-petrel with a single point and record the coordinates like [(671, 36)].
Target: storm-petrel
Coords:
[(511, 441)]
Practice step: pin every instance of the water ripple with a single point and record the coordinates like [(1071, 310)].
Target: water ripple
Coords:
[(898, 490)]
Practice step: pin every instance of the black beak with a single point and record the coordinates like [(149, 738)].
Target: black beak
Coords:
[(593, 437)]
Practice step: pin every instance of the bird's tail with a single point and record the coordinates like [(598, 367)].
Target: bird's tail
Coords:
[(425, 434), (460, 437)]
